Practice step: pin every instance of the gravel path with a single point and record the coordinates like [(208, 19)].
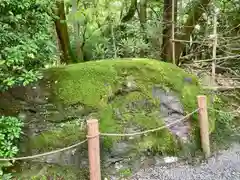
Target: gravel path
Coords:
[(224, 166)]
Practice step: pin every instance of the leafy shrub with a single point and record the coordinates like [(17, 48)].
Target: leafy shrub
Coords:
[(10, 130), (25, 43), (127, 43), (225, 129)]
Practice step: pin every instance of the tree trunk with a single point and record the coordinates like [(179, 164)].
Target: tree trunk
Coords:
[(194, 15), (131, 11), (195, 12), (167, 30), (79, 52), (143, 21), (62, 32)]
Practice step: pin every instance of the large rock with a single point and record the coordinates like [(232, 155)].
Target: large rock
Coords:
[(127, 95)]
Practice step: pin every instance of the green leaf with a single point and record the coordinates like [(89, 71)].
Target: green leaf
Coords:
[(2, 62)]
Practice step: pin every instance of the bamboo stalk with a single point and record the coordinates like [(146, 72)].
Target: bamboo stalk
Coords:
[(173, 32), (214, 52)]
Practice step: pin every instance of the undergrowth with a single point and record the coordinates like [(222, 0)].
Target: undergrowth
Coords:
[(226, 131), (227, 123), (10, 130)]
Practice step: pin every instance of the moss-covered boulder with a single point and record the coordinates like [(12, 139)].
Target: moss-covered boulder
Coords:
[(126, 95)]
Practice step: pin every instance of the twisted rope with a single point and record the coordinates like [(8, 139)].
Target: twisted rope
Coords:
[(151, 130), (44, 154)]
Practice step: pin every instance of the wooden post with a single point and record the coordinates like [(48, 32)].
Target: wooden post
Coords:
[(203, 121), (93, 149)]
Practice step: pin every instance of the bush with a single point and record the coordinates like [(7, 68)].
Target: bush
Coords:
[(225, 130), (10, 130), (26, 42)]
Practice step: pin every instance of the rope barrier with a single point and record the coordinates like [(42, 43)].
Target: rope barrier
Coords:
[(102, 134), (43, 154), (151, 130)]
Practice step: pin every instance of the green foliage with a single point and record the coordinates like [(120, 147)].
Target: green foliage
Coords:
[(10, 130), (6, 176), (230, 15), (126, 172), (226, 130), (103, 35), (115, 42), (25, 43), (228, 29)]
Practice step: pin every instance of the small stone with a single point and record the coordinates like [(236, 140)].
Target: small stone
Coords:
[(118, 166), (170, 159), (74, 151)]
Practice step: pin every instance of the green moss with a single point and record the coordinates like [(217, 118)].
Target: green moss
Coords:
[(83, 83), (95, 83), (161, 142), (38, 171), (58, 138), (125, 172), (90, 82)]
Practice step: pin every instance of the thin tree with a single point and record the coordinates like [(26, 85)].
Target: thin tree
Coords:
[(167, 30), (76, 26), (143, 21), (62, 32), (194, 12)]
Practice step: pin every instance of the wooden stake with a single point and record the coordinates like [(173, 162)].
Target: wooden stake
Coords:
[(173, 32), (204, 128), (93, 149)]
